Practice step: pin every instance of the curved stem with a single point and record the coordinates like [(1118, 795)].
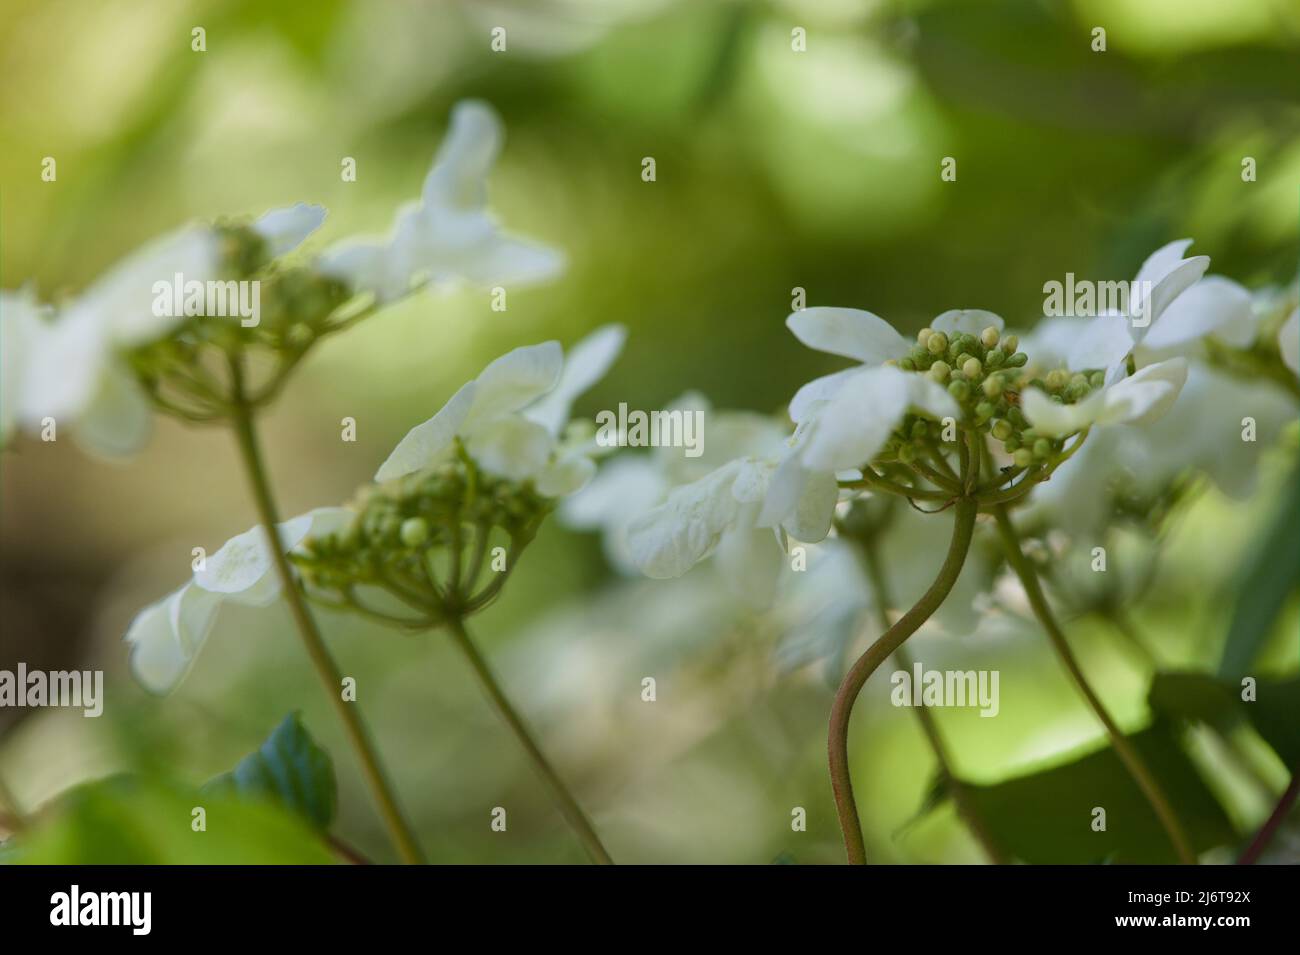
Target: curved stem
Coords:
[(842, 709), (1124, 749), (331, 678), (1273, 823), (929, 725), (569, 807)]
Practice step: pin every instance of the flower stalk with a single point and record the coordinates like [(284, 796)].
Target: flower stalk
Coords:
[(326, 668), (964, 512), (1124, 749), (568, 805)]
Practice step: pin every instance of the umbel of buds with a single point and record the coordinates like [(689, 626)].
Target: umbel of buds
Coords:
[(426, 548), (188, 372)]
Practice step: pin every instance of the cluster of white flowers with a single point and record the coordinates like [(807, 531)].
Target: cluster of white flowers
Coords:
[(69, 363)]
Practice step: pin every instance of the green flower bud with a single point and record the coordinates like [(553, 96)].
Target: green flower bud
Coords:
[(939, 371), (907, 364), (1097, 379), (919, 429), (1011, 444), (971, 367), (992, 386), (1002, 429), (907, 453), (995, 359), (1023, 457), (984, 411), (937, 344), (1010, 344), (1018, 359), (415, 531), (959, 390), (989, 336), (1057, 379), (923, 336), (1042, 448)]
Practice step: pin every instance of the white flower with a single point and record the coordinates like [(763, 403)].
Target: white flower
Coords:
[(166, 636), (511, 417), (1144, 397), (74, 370), (1166, 320), (448, 232), (20, 325), (871, 340)]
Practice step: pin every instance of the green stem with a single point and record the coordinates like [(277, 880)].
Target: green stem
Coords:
[(929, 725), (842, 709), (569, 807), (331, 678), (1124, 749)]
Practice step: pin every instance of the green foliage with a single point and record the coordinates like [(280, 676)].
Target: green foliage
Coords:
[(1202, 698), (1270, 576), (288, 769), (1046, 817), (136, 821)]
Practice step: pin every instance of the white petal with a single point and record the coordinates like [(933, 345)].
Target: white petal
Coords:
[(626, 485), (429, 443), (566, 476), (849, 332), (165, 637), (750, 563), (670, 539), (819, 389), (20, 328), (968, 321), (930, 397), (366, 265), (850, 428), (458, 177), (287, 228), (1288, 341), (515, 380), (329, 521), (1102, 343), (512, 447), (118, 420), (123, 300), (243, 569), (504, 260), (586, 363), (1214, 305), (69, 358), (1169, 275), (811, 520), (1147, 395), (1056, 420)]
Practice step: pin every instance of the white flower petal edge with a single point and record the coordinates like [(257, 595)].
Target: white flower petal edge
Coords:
[(849, 332), (1169, 275), (968, 321), (1214, 305), (20, 327), (670, 539), (509, 417), (166, 636), (448, 233), (287, 228), (1142, 398)]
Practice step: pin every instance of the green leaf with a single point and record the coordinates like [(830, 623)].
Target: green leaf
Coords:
[(288, 769), (1046, 817), (1270, 575), (1203, 698), (135, 821)]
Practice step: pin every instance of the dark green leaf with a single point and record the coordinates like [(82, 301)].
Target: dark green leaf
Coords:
[(1200, 697), (290, 769), (1270, 575), (1046, 817)]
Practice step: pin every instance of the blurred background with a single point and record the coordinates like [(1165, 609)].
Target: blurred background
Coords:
[(775, 170)]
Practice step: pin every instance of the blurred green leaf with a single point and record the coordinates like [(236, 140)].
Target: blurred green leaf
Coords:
[(134, 821), (1201, 697), (1272, 572), (1046, 817), (289, 769)]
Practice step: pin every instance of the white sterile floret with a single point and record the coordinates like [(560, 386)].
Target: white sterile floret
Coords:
[(166, 636), (511, 417), (448, 233)]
